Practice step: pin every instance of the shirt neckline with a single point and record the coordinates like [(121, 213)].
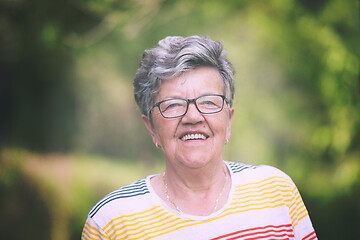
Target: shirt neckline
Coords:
[(158, 201)]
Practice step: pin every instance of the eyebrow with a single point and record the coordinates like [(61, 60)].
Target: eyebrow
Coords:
[(182, 97)]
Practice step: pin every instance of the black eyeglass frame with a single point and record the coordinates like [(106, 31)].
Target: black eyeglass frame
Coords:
[(188, 101)]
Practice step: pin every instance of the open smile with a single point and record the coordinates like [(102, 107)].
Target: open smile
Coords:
[(194, 136)]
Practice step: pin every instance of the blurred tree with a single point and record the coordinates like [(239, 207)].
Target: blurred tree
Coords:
[(37, 73)]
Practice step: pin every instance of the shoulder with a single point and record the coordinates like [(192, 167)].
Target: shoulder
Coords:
[(256, 173), (130, 194)]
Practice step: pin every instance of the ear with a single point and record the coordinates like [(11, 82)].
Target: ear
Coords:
[(228, 130), (151, 129)]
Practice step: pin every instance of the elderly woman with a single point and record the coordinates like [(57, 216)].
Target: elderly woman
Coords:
[(185, 88)]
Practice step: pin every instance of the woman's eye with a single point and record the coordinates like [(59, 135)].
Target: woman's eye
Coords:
[(171, 106), (208, 104)]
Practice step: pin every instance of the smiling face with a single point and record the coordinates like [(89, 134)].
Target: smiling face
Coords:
[(195, 139)]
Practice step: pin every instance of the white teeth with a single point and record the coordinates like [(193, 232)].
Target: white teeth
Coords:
[(193, 136)]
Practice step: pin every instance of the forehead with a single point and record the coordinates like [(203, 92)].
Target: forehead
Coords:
[(191, 84)]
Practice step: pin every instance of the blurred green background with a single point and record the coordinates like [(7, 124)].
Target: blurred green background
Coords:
[(70, 131)]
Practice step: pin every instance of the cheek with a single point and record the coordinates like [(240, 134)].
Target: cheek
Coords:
[(220, 125), (166, 129)]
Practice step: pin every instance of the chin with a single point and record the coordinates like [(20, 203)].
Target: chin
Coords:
[(195, 161)]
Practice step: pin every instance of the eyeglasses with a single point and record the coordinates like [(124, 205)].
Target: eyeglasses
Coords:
[(177, 107)]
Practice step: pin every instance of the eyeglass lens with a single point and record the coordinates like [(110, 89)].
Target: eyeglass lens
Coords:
[(176, 107)]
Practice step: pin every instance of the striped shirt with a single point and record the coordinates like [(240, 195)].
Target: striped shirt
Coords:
[(264, 203)]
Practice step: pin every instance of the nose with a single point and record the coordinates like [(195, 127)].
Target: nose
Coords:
[(192, 115)]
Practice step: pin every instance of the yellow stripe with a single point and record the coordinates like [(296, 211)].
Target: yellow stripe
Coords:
[(258, 201), (175, 229), (145, 231), (286, 197), (143, 221), (254, 204), (278, 179), (128, 223), (259, 188), (152, 224), (296, 217), (297, 220), (263, 193), (85, 235), (298, 205), (95, 232), (131, 215), (242, 194), (304, 214)]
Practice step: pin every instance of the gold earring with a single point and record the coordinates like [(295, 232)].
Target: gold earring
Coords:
[(227, 141)]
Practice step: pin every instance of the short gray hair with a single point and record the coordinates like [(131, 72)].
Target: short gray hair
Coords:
[(173, 56)]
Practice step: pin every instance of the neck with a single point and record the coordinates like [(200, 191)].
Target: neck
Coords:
[(195, 179), (196, 191)]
